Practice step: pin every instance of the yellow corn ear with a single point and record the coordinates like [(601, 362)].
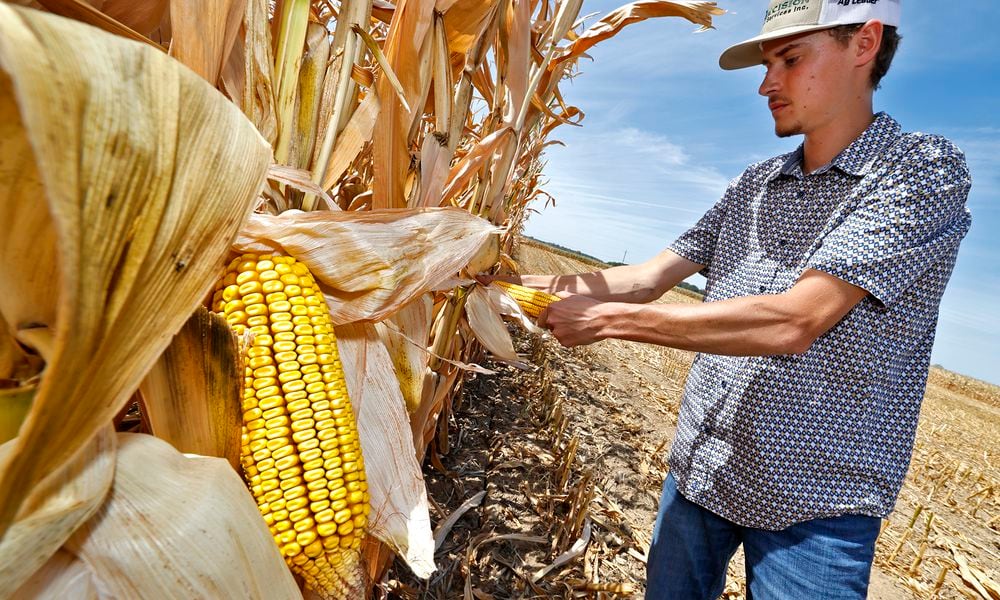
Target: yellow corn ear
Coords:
[(300, 452), (531, 301)]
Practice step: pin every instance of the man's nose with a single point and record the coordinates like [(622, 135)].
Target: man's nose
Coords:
[(770, 83)]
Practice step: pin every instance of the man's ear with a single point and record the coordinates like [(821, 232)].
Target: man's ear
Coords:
[(867, 42)]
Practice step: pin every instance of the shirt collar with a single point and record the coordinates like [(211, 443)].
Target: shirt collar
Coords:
[(858, 158)]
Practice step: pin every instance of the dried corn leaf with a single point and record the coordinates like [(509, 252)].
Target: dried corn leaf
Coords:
[(192, 395), (351, 140), (204, 33), (699, 13), (147, 179), (258, 65), (292, 22), (372, 263), (302, 181), (86, 13), (975, 578), (144, 17), (400, 516), (64, 576), (464, 22), (178, 526), (55, 509), (514, 62), (311, 77), (470, 164), (407, 50)]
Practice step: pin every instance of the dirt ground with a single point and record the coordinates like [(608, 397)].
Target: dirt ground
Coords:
[(552, 477)]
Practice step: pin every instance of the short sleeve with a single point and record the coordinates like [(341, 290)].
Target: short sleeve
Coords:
[(699, 243), (913, 219)]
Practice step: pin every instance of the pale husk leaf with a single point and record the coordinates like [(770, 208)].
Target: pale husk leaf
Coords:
[(470, 164), (192, 394), (55, 509), (483, 312), (177, 526), (399, 515), (509, 307), (372, 263), (147, 179), (64, 576)]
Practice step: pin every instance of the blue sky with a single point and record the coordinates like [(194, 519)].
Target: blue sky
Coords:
[(666, 130)]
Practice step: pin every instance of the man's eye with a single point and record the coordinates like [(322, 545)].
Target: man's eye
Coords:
[(791, 60)]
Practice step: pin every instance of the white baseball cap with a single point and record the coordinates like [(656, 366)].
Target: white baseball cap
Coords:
[(790, 17)]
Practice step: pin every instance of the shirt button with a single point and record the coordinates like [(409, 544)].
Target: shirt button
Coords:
[(782, 243), (762, 288)]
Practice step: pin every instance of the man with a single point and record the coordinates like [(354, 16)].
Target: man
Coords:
[(825, 270)]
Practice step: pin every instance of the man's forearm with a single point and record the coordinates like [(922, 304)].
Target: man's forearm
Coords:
[(640, 283), (748, 326)]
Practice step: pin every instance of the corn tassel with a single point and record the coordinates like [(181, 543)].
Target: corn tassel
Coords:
[(531, 301), (300, 451)]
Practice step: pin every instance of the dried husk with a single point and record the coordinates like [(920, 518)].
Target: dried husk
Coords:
[(147, 178), (64, 576), (372, 263), (55, 509), (405, 335), (177, 526), (483, 312), (400, 515), (191, 396)]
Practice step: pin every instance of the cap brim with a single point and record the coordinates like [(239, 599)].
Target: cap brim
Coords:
[(747, 54)]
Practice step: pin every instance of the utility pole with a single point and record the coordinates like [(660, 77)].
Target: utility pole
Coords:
[(624, 255)]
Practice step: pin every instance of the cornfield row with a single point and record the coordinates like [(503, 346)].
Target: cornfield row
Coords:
[(374, 156)]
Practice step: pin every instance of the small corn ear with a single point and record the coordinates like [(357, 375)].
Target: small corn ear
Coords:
[(531, 301)]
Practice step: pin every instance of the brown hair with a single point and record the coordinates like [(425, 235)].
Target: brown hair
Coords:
[(890, 41)]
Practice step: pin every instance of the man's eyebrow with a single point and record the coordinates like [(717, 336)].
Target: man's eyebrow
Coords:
[(783, 51)]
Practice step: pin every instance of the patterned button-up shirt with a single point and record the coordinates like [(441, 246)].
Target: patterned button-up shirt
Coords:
[(771, 441)]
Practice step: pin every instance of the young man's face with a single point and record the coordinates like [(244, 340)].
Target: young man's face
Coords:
[(807, 81)]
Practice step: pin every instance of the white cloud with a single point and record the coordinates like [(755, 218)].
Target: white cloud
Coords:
[(623, 189)]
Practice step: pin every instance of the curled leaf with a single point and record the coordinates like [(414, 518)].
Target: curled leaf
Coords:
[(146, 178), (183, 526), (55, 509), (699, 13)]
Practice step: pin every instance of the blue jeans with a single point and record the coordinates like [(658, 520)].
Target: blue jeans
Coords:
[(814, 560)]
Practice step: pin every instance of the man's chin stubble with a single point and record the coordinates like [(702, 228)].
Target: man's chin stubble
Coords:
[(787, 131)]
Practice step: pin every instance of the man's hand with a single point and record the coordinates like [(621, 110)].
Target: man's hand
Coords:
[(575, 320)]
